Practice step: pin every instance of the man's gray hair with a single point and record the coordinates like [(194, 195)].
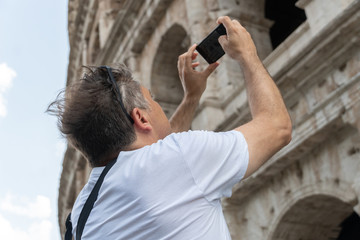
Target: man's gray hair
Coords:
[(90, 115)]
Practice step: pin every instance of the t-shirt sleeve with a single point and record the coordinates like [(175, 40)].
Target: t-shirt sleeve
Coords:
[(217, 161)]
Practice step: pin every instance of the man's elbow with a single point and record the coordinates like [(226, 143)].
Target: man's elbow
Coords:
[(285, 132)]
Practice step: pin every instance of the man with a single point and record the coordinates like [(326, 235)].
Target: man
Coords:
[(168, 185)]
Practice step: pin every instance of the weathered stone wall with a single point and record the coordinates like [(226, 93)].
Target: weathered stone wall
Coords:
[(307, 189)]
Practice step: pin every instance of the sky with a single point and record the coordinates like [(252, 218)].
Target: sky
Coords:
[(34, 54)]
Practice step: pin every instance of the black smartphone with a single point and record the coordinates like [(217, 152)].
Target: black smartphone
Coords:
[(210, 48)]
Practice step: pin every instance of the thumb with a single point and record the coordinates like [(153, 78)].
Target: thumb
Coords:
[(210, 69), (223, 40)]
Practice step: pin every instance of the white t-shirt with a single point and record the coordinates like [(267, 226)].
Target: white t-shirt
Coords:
[(171, 189)]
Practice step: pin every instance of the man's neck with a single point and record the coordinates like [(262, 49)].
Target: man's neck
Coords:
[(140, 142)]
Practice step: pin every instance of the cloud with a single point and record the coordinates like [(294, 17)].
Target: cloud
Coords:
[(40, 208), (38, 230), (37, 211), (7, 75)]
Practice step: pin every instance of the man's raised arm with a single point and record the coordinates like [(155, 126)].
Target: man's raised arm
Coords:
[(270, 127), (194, 84)]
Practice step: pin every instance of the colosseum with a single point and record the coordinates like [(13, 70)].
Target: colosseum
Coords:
[(310, 190)]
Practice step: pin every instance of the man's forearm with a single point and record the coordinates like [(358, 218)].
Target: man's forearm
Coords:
[(194, 84), (264, 97), (184, 114), (265, 100)]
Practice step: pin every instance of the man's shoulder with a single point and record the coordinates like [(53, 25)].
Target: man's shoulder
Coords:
[(189, 133), (202, 133), (190, 141)]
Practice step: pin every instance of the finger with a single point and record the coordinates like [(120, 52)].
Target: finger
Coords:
[(181, 64), (195, 64), (223, 40), (226, 21), (191, 50), (195, 54), (234, 21), (188, 58), (211, 68), (182, 56), (179, 68)]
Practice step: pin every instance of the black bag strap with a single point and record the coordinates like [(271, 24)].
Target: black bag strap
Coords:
[(85, 212), (68, 233)]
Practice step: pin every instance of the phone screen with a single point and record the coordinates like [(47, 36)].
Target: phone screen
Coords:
[(210, 48)]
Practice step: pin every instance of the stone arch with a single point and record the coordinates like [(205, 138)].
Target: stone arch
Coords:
[(323, 171), (314, 217), (330, 168), (165, 83), (286, 16), (313, 212)]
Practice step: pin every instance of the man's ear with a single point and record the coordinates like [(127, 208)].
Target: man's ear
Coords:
[(141, 119)]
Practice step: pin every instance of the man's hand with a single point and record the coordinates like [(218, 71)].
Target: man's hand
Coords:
[(238, 43), (194, 82)]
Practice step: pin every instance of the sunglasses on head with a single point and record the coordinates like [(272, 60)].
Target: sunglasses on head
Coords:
[(117, 91)]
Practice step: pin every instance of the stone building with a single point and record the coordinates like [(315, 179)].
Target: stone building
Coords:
[(311, 188)]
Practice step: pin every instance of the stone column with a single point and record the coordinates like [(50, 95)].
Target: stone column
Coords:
[(198, 17), (132, 62), (202, 17), (352, 117), (356, 187), (356, 123), (320, 12), (108, 11), (251, 14)]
